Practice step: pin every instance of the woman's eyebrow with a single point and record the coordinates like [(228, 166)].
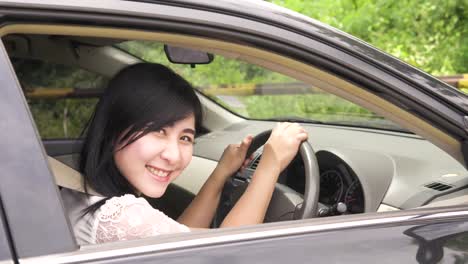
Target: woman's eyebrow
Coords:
[(189, 130)]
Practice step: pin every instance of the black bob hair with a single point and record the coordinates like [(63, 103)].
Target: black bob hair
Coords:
[(140, 99)]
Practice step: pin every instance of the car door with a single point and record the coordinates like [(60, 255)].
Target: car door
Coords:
[(6, 253), (26, 180), (39, 228)]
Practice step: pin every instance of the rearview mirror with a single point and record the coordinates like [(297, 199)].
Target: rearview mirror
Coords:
[(180, 55)]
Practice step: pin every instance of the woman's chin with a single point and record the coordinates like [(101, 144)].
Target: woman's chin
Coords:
[(155, 192), (154, 186)]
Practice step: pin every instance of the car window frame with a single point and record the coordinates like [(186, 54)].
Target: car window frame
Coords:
[(48, 172), (7, 253), (158, 245), (35, 177)]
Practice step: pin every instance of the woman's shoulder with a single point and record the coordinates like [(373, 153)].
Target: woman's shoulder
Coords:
[(115, 207), (127, 199), (128, 217)]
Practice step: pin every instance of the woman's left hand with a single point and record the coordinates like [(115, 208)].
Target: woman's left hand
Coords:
[(200, 212), (233, 158)]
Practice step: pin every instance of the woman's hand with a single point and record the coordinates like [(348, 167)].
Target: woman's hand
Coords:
[(234, 157), (201, 210), (279, 150), (284, 142)]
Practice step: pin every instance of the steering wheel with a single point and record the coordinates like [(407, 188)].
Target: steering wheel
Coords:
[(284, 199)]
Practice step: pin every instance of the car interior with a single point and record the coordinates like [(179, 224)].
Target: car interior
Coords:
[(380, 158)]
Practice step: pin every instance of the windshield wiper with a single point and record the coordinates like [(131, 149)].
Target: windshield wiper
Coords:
[(295, 119)]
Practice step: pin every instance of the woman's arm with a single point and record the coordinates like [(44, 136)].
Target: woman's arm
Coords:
[(202, 209), (278, 152)]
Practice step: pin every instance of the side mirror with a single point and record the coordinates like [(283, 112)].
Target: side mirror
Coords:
[(180, 55)]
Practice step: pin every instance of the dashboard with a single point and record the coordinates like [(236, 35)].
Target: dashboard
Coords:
[(339, 184), (341, 191), (364, 169)]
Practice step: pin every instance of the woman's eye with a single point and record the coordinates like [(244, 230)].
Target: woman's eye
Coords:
[(187, 139)]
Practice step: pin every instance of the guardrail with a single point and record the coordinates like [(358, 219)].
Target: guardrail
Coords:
[(457, 81)]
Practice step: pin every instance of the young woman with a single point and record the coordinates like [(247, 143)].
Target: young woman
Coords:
[(140, 139)]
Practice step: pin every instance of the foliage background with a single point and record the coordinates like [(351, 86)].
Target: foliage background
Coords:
[(429, 34)]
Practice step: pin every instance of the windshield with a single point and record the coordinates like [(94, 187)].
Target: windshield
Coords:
[(254, 92)]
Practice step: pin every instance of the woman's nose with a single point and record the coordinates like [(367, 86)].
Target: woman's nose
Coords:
[(171, 152)]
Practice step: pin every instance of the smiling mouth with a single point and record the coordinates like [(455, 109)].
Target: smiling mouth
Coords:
[(160, 174)]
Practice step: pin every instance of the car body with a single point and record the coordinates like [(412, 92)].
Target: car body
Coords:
[(420, 178)]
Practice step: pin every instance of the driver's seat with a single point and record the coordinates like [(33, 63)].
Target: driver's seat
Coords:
[(74, 198)]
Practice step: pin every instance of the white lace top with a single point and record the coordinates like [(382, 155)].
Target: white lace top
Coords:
[(120, 218)]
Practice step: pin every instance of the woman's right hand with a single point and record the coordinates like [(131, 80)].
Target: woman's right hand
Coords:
[(278, 151), (284, 142)]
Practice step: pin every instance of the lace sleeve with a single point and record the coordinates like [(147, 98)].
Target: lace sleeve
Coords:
[(128, 217)]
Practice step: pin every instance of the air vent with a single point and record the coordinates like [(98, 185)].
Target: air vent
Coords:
[(438, 186), (254, 164)]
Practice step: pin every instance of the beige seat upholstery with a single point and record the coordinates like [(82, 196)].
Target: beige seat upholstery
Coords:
[(67, 177)]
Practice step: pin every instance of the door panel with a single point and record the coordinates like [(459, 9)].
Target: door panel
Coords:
[(444, 242), (6, 254), (412, 241)]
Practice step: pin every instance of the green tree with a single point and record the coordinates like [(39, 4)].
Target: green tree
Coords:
[(429, 34)]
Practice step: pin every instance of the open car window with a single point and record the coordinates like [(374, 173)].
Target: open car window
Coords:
[(354, 170)]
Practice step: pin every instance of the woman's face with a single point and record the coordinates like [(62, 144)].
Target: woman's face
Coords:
[(154, 160)]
